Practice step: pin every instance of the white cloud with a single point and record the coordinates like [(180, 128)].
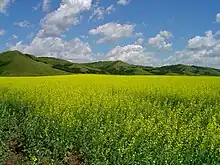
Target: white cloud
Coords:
[(74, 50), (139, 41), (2, 32), (113, 32), (84, 37), (47, 41), (218, 18), (165, 34), (14, 37), (60, 20), (161, 40), (134, 54), (46, 5), (23, 24), (123, 2), (110, 9), (200, 50), (99, 12), (198, 42), (4, 5)]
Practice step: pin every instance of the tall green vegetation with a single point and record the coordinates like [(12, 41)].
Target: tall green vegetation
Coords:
[(112, 119)]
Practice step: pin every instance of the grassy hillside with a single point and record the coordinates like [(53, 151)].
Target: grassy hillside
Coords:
[(16, 63), (104, 67), (184, 70), (118, 67), (122, 68), (53, 61)]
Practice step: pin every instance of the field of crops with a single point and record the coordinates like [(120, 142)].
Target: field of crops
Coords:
[(115, 120)]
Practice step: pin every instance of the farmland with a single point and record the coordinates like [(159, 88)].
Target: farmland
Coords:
[(111, 119)]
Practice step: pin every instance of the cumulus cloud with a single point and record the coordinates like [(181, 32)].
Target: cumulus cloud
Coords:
[(74, 50), (134, 54), (4, 5), (113, 32), (48, 42), (60, 20), (165, 34), (99, 12), (123, 2), (200, 50), (161, 40), (23, 24), (200, 43)]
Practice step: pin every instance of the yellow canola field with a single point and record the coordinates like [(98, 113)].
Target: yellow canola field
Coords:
[(127, 119)]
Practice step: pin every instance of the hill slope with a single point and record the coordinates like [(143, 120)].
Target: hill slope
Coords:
[(103, 67), (15, 63), (122, 68), (184, 70)]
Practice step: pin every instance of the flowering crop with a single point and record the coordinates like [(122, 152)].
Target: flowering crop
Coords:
[(115, 119)]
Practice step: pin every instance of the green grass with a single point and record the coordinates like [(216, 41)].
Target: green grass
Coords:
[(113, 119), (15, 63)]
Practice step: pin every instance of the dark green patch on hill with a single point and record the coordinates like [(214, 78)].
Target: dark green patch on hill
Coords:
[(15, 63)]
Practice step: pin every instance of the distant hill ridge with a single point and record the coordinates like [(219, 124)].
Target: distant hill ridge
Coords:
[(14, 63)]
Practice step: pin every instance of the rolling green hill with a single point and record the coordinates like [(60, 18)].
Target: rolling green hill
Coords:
[(119, 67), (14, 63), (184, 70), (122, 68), (104, 67)]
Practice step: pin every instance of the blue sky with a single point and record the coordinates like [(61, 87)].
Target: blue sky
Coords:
[(145, 32)]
